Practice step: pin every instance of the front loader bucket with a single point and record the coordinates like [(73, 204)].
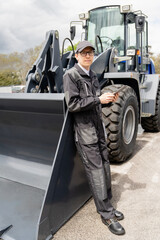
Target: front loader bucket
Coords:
[(42, 180)]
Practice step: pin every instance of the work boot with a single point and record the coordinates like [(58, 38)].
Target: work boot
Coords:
[(114, 226), (119, 215)]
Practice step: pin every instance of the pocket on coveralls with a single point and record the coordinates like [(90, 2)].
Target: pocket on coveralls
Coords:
[(88, 135)]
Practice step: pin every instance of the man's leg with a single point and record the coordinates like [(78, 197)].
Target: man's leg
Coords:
[(96, 176), (95, 172), (106, 164)]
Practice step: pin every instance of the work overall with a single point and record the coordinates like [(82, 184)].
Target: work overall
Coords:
[(82, 97)]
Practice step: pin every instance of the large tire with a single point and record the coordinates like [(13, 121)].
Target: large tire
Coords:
[(152, 124), (121, 123)]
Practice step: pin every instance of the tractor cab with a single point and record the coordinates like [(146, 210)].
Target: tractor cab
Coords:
[(121, 28)]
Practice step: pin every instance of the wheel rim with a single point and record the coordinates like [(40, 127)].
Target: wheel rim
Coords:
[(128, 124)]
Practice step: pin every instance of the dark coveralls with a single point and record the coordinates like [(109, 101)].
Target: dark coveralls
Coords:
[(81, 94)]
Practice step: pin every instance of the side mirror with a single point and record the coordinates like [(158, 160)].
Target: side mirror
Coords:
[(140, 22), (72, 32)]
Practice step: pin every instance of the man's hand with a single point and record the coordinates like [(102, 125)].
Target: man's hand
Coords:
[(108, 97)]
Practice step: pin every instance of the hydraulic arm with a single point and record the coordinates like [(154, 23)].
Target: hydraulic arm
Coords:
[(47, 72)]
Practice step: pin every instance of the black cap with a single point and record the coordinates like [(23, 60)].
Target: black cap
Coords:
[(82, 45)]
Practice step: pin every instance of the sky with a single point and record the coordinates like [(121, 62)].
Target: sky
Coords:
[(24, 23)]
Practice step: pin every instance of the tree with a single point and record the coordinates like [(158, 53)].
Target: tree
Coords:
[(69, 48), (14, 66), (156, 60), (27, 60), (8, 78)]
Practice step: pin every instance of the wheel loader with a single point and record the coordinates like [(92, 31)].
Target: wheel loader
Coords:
[(42, 180)]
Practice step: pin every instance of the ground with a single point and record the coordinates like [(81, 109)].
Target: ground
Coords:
[(136, 192)]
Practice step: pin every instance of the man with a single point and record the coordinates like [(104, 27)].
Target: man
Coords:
[(82, 94)]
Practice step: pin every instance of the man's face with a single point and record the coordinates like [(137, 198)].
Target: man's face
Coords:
[(85, 58)]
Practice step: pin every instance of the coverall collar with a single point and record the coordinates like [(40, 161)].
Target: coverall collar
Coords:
[(85, 70), (82, 73)]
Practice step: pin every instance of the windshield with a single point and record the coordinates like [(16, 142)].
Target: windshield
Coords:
[(106, 29)]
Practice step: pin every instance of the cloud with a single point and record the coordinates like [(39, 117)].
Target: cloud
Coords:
[(24, 23), (50, 6)]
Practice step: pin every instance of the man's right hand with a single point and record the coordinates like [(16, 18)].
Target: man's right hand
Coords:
[(108, 97)]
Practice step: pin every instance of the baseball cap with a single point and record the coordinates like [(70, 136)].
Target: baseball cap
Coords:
[(82, 45)]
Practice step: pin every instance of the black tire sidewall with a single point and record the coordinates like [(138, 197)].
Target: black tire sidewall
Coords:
[(113, 115)]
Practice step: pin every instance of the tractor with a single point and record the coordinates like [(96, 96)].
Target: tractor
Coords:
[(120, 37), (42, 179)]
